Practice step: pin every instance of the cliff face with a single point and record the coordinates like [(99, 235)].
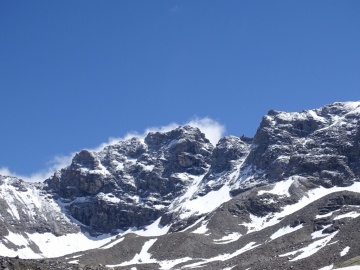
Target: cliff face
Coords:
[(132, 183), (322, 143), (295, 183)]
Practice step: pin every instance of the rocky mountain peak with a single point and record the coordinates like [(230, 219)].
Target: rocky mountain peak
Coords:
[(132, 148), (155, 140), (85, 159), (151, 172), (228, 149), (131, 176), (321, 143), (292, 188), (308, 121)]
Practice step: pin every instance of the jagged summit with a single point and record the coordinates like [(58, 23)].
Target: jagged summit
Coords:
[(294, 186), (132, 176), (156, 139), (336, 108), (308, 121), (310, 143)]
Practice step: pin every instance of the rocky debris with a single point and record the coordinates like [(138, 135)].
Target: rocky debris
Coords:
[(350, 263), (213, 242), (7, 263)]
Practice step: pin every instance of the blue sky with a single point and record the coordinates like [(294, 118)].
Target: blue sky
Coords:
[(74, 73)]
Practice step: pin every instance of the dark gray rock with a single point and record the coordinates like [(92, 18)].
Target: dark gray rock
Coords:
[(321, 143), (7, 263), (228, 149), (130, 184), (19, 213)]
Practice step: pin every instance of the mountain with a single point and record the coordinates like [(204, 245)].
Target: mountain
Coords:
[(288, 198)]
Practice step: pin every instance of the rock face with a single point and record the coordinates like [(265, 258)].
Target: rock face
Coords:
[(259, 203), (132, 183), (27, 207), (322, 143)]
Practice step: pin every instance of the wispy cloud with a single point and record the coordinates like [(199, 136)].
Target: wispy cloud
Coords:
[(57, 163), (34, 177), (212, 129)]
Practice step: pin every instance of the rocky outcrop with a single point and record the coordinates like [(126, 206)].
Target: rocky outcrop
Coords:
[(228, 150), (26, 207), (131, 183), (145, 175), (321, 143)]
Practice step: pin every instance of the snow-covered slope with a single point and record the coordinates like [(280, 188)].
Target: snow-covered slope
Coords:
[(34, 225), (286, 198)]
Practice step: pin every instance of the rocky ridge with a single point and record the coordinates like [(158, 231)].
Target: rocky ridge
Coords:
[(175, 191)]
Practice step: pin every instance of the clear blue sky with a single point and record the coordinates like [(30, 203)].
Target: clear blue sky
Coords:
[(74, 73)]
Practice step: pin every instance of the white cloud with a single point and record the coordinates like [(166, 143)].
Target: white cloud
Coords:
[(4, 171), (55, 164), (212, 129), (114, 140), (35, 177)]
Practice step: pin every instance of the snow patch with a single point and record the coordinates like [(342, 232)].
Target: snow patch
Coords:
[(310, 249), (284, 231), (355, 267), (207, 203), (344, 251), (110, 245), (193, 225), (352, 214), (202, 229), (148, 168), (280, 188), (259, 223), (232, 237), (169, 264), (326, 215), (329, 267), (154, 229), (140, 258), (224, 257), (229, 268), (50, 245), (319, 234), (108, 198)]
